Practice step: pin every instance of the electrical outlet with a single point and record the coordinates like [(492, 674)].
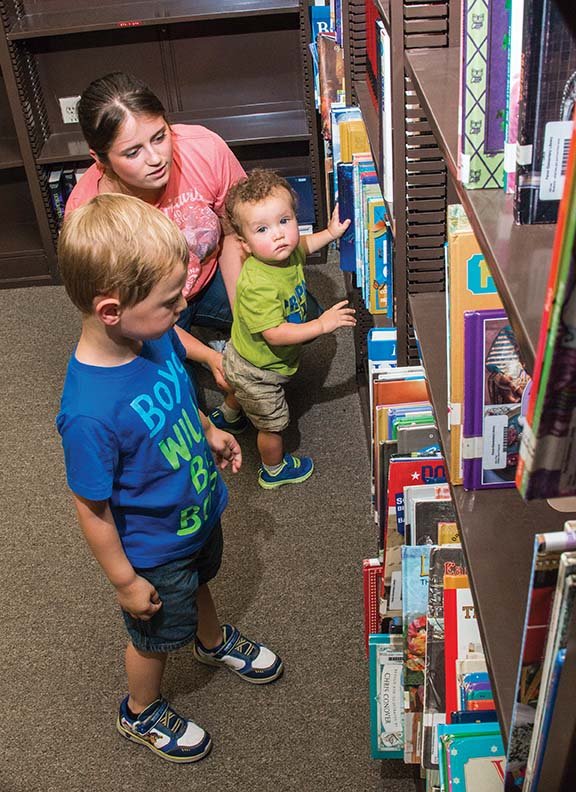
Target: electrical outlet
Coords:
[(68, 108)]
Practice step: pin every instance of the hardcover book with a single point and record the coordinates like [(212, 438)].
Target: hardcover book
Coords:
[(385, 127), (331, 77), (379, 281), (483, 93), (472, 757), (547, 465), (470, 287), (445, 560), (547, 98), (494, 383), (338, 116), (548, 548), (372, 572), (427, 517), (417, 493), (346, 212), (461, 634), (516, 21), (386, 696)]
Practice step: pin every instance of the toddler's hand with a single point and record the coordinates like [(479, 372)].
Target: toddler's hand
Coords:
[(335, 228), (337, 316), (225, 448), (139, 598)]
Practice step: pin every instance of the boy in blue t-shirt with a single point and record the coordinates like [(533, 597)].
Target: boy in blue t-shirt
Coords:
[(139, 461)]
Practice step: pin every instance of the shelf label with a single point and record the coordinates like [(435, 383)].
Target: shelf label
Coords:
[(495, 442), (555, 159)]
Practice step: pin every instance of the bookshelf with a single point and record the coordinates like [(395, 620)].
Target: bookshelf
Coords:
[(239, 67), (497, 527)]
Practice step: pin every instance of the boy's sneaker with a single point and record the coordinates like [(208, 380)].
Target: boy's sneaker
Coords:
[(235, 427), (165, 732), (250, 660), (294, 470)]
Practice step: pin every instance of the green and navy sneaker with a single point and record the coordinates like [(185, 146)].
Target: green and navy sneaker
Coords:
[(165, 732), (235, 427), (294, 470), (252, 661)]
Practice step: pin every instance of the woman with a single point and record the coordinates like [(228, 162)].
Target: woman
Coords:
[(185, 171)]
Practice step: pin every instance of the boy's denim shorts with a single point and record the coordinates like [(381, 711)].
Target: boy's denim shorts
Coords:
[(176, 582), (260, 392)]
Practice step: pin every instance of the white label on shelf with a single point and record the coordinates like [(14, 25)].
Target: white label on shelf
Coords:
[(495, 442), (510, 157), (523, 155), (557, 137), (471, 447), (454, 414), (465, 168)]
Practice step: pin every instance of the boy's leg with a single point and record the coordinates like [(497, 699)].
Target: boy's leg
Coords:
[(209, 631), (144, 671), (271, 448)]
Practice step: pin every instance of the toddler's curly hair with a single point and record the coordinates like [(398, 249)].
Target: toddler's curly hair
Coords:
[(257, 186)]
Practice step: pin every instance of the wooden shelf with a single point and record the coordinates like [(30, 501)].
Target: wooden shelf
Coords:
[(108, 16), (9, 153), (383, 7), (518, 256), (248, 125), (496, 526)]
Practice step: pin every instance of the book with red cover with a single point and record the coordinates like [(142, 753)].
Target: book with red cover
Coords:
[(372, 571)]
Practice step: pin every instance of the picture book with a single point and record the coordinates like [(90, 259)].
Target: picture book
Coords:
[(471, 287), (385, 127), (420, 410), (547, 465), (483, 93), (547, 97), (319, 23), (386, 696), (368, 189), (461, 634), (330, 76), (372, 572), (302, 186), (560, 619), (418, 438), (417, 493), (381, 345), (415, 564), (448, 533), (380, 266), (339, 115), (446, 560), (548, 548), (472, 757), (353, 138), (428, 515), (515, 26), (494, 382), (346, 212)]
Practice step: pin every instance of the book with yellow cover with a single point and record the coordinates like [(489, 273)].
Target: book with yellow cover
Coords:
[(353, 139), (470, 287)]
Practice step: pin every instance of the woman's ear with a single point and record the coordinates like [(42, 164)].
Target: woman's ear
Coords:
[(101, 165), (107, 309)]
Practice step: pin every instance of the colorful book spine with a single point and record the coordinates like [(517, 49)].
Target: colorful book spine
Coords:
[(386, 696), (516, 16), (372, 572)]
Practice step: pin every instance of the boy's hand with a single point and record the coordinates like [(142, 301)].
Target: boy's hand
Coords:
[(335, 228), (225, 448), (139, 598), (215, 363), (337, 316)]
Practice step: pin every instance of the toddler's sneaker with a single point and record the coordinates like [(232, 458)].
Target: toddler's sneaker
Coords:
[(165, 732), (250, 660), (235, 427), (294, 470)]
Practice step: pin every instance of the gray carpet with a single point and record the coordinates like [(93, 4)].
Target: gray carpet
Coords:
[(291, 577)]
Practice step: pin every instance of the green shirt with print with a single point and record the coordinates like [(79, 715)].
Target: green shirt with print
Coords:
[(267, 296)]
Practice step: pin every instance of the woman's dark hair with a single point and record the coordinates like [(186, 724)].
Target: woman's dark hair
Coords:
[(107, 101)]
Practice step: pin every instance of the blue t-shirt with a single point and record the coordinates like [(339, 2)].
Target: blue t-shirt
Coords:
[(132, 435)]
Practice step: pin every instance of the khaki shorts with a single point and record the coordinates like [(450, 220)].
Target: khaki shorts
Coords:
[(259, 391)]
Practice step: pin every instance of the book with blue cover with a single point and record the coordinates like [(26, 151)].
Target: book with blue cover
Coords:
[(471, 757), (347, 242)]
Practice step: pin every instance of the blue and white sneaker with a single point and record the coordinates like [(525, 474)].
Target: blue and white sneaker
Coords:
[(294, 470), (165, 732), (250, 660), (235, 427)]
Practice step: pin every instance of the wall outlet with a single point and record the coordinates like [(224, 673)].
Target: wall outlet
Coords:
[(68, 108)]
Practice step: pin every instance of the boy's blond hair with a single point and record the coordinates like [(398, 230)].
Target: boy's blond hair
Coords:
[(256, 187), (117, 244)]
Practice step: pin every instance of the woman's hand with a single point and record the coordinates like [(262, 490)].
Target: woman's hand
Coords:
[(139, 598)]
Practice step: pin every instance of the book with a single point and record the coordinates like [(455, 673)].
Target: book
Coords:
[(302, 186), (330, 77), (515, 27), (347, 242), (447, 560), (354, 138), (385, 127), (547, 465), (417, 493), (418, 438), (415, 568), (494, 383), (482, 98), (319, 23), (471, 757), (461, 634), (470, 287), (380, 294), (386, 696), (548, 548), (372, 572), (546, 109), (428, 515), (339, 115)]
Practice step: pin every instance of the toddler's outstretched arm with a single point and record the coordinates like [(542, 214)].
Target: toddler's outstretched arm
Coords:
[(339, 315)]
